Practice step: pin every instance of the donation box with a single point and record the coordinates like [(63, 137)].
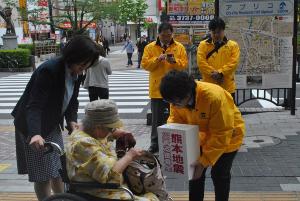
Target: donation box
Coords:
[(178, 148)]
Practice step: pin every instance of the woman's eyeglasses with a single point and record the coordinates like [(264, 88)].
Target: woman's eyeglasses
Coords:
[(180, 102), (111, 130)]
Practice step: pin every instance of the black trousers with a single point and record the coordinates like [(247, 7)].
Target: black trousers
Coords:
[(98, 92), (106, 50), (158, 109), (129, 56), (140, 56), (221, 176)]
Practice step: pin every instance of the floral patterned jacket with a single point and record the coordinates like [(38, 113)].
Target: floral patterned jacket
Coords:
[(90, 160)]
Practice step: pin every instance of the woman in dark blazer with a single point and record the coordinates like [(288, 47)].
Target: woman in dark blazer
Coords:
[(50, 96)]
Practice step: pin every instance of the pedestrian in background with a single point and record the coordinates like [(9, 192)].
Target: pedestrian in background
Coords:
[(96, 80), (50, 96), (129, 50), (62, 43), (99, 40), (141, 44), (105, 45), (218, 57), (159, 58), (221, 128)]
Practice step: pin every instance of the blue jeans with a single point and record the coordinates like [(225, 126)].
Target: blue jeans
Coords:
[(129, 56)]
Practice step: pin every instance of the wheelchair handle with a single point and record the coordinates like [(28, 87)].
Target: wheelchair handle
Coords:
[(128, 191), (51, 147)]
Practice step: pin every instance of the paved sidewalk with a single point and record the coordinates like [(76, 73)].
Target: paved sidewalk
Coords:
[(268, 161), (116, 57)]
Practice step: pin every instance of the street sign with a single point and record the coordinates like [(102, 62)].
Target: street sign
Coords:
[(264, 31), (229, 8)]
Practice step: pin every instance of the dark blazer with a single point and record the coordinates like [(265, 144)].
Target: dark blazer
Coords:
[(39, 109)]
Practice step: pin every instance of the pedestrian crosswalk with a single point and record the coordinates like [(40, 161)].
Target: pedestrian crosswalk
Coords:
[(121, 52), (129, 89)]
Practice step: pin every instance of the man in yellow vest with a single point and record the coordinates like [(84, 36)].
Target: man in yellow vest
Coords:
[(160, 57), (218, 57), (221, 128)]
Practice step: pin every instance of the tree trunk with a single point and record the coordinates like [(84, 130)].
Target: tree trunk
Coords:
[(51, 17), (139, 28)]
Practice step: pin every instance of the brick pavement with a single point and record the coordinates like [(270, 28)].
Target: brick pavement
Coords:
[(177, 196)]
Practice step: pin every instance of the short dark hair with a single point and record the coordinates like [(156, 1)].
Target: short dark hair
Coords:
[(216, 23), (165, 26), (80, 49), (176, 85)]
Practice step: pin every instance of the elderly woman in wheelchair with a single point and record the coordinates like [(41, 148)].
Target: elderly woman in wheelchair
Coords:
[(93, 171)]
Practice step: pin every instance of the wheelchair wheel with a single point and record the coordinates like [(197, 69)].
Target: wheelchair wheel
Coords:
[(65, 197)]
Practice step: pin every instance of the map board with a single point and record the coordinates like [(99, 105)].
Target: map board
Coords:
[(264, 31)]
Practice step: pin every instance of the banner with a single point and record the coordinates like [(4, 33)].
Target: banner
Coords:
[(264, 31), (201, 7), (198, 35), (43, 3), (182, 35), (191, 11), (177, 7), (67, 25)]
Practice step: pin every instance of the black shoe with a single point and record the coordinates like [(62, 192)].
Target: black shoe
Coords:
[(153, 149)]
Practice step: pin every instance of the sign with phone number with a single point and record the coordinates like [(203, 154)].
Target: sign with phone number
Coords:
[(189, 19)]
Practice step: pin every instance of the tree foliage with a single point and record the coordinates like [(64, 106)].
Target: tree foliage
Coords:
[(132, 10), (77, 14)]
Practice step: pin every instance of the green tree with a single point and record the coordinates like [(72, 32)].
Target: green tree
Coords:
[(140, 10), (110, 11), (126, 9), (78, 14), (133, 10)]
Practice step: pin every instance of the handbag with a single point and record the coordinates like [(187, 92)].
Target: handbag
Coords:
[(144, 175)]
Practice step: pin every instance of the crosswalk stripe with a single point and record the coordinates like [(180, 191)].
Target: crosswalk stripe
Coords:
[(128, 75), (87, 98), (121, 110), (86, 93), (111, 85), (120, 52), (110, 79), (129, 71), (19, 88), (129, 89), (143, 103), (81, 111), (113, 82)]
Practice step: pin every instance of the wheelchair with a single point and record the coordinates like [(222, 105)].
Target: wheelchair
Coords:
[(72, 189)]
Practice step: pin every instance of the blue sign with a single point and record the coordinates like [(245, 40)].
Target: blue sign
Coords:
[(239, 8)]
